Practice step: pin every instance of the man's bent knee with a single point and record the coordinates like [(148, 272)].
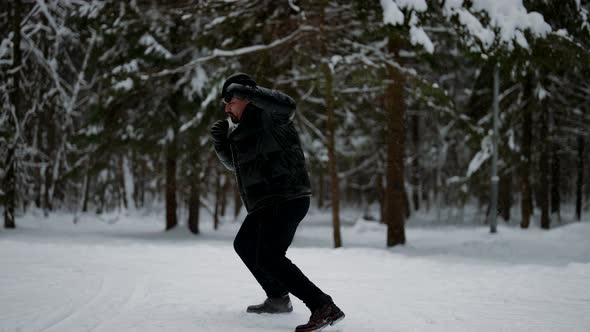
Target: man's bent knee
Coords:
[(238, 246), (243, 249)]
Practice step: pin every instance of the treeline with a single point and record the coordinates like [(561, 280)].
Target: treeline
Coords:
[(107, 104)]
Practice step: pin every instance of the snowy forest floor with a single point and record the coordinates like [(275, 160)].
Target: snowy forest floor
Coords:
[(125, 274)]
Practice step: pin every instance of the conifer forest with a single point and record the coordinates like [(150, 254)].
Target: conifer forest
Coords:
[(402, 106)]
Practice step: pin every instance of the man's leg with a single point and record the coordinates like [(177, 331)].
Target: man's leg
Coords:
[(246, 246), (277, 230)]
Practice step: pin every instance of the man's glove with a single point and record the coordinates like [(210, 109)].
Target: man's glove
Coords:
[(239, 91), (219, 133)]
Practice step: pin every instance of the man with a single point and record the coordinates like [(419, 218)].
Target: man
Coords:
[(264, 150)]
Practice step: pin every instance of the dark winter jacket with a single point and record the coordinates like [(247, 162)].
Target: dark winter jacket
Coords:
[(265, 151)]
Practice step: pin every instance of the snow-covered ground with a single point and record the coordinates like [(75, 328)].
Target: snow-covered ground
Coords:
[(126, 274)]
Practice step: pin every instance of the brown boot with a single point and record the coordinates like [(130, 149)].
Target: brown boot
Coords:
[(328, 314), (276, 305)]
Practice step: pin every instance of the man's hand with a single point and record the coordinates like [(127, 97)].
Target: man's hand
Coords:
[(219, 132)]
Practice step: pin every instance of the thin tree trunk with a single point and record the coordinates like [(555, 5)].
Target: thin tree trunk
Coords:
[(526, 204), (381, 197), (544, 173), (334, 181), (9, 181), (171, 220), (217, 199), (10, 189), (128, 183), (224, 190), (494, 171), (48, 173), (505, 199), (332, 167), (38, 173), (121, 176), (237, 202), (407, 208), (86, 190), (394, 174), (193, 206), (416, 162), (321, 190), (426, 192), (140, 192), (555, 179), (580, 180)]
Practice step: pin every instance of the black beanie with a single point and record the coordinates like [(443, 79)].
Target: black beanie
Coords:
[(240, 78)]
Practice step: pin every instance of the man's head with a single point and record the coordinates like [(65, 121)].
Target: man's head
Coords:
[(234, 107)]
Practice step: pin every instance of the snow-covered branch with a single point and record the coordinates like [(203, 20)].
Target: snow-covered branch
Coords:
[(217, 53)]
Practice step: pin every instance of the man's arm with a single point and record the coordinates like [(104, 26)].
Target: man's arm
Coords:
[(224, 154), (221, 143), (277, 103)]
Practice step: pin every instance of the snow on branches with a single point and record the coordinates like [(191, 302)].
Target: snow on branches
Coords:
[(486, 24)]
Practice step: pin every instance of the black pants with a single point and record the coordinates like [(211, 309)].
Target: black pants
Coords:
[(262, 243)]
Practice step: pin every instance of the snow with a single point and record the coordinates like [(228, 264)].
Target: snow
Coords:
[(5, 48), (197, 83), (481, 156), (561, 33), (125, 85), (130, 67), (126, 274), (294, 6), (510, 17), (419, 37), (128, 182), (540, 92), (91, 9), (216, 21), (153, 46), (392, 14)]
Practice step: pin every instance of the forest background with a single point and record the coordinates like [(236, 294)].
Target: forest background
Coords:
[(106, 105)]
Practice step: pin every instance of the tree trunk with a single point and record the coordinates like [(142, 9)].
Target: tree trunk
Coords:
[(544, 172), (10, 190), (9, 181), (86, 190), (171, 220), (332, 167), (425, 187), (555, 180), (407, 208), (494, 171), (381, 197), (217, 199), (193, 206), (224, 190), (128, 182), (48, 174), (334, 181), (121, 176), (505, 199), (140, 192), (580, 179), (416, 162), (237, 201), (394, 174), (526, 204), (38, 173), (321, 186)]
